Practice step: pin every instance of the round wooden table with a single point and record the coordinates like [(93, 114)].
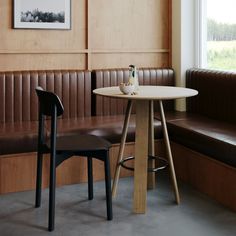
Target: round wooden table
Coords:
[(144, 136)]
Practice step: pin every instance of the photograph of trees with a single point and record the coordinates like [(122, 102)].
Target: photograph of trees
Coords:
[(42, 14), (220, 31), (221, 45)]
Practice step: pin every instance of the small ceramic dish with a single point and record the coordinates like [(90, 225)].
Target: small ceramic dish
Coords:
[(127, 89)]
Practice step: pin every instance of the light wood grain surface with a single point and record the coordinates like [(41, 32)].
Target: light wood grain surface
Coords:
[(104, 34), (148, 93), (141, 157)]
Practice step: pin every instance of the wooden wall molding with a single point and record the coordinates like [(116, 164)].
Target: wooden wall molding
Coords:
[(85, 51), (53, 51), (112, 51)]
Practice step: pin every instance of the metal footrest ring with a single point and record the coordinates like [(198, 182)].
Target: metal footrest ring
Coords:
[(162, 166)]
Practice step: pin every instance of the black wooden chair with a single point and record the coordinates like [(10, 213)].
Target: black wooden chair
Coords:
[(62, 148)]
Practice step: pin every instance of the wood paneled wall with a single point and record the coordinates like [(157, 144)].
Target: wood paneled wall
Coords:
[(104, 34)]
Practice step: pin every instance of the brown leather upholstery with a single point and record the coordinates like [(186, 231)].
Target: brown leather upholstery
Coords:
[(21, 137), (113, 77), (217, 96), (214, 138), (108, 127), (172, 115), (18, 137), (18, 100), (208, 126), (19, 106)]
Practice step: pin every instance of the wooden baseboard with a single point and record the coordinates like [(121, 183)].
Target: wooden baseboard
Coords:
[(207, 175)]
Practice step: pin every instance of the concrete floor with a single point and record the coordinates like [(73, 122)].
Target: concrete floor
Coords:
[(197, 215)]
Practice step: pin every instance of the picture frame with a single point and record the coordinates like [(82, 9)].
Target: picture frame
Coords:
[(42, 14)]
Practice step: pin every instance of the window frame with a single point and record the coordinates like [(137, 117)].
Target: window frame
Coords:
[(201, 33)]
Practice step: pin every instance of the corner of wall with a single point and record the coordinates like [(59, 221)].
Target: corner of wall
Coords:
[(183, 42)]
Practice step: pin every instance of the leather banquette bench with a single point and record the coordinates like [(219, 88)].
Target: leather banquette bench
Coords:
[(84, 113), (204, 137), (19, 108), (209, 125)]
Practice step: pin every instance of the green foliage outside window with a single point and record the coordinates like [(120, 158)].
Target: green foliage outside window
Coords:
[(221, 45)]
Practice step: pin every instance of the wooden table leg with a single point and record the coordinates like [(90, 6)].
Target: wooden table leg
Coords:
[(141, 153), (169, 154), (122, 147), (151, 147)]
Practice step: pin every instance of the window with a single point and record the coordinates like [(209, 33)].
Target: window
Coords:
[(218, 34)]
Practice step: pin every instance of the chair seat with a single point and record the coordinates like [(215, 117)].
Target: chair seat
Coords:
[(81, 143)]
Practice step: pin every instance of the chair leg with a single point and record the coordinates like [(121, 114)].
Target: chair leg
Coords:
[(52, 191), (39, 180), (108, 187), (90, 178), (52, 181)]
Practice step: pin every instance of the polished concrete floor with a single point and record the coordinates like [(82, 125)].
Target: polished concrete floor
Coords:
[(197, 215)]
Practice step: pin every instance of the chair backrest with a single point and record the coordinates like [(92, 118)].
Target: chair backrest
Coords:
[(49, 105), (48, 101)]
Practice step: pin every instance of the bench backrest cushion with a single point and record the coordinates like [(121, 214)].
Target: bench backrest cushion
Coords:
[(113, 77), (18, 100), (217, 94)]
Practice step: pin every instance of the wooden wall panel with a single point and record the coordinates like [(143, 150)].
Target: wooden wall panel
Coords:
[(122, 24), (141, 29), (17, 173), (38, 61), (110, 60)]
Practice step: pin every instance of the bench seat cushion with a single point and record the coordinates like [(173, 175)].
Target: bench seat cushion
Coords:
[(216, 139), (21, 137), (108, 127), (18, 137), (172, 115)]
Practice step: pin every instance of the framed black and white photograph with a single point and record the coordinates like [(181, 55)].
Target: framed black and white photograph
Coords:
[(42, 14)]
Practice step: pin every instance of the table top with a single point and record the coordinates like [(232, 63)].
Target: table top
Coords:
[(148, 93)]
